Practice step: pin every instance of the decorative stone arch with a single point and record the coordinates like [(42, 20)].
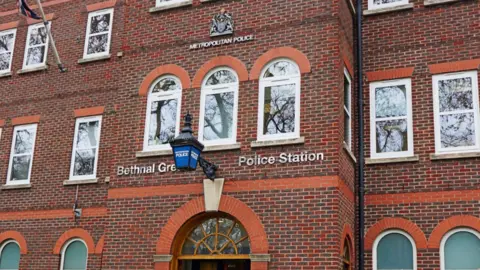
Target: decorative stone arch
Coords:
[(396, 223), (347, 234), (170, 69), (228, 205), (18, 237), (449, 224), (282, 52), (74, 233), (100, 244), (219, 61)]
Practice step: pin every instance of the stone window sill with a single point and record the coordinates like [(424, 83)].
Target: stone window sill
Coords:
[(258, 144), (154, 153), (349, 152), (387, 10), (13, 186), (371, 161), (28, 70), (454, 156), (170, 6), (438, 2), (224, 147), (80, 182), (94, 59), (7, 74)]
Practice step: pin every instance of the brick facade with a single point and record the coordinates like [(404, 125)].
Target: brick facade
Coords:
[(421, 196), (297, 213)]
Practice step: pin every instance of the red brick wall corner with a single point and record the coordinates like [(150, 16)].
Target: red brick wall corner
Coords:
[(282, 52), (13, 235), (220, 61), (101, 5), (347, 235), (89, 111), (100, 244), (170, 69), (450, 224), (75, 233), (390, 74), (395, 223)]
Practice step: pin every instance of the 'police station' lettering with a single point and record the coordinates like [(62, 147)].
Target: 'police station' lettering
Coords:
[(282, 158)]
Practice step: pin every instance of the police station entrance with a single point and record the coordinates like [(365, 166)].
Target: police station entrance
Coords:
[(214, 243)]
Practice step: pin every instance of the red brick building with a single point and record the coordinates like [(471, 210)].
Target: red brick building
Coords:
[(273, 102), (421, 61)]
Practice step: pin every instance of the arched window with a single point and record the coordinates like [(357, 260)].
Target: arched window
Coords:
[(394, 250), (218, 109), (10, 255), (460, 249), (346, 255), (74, 255), (279, 101), (163, 113)]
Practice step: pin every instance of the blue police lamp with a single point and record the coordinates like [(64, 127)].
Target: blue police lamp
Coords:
[(187, 151)]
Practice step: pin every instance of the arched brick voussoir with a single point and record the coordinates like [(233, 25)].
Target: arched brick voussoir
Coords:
[(396, 223), (75, 233), (229, 205), (347, 232), (170, 69), (99, 246), (220, 61), (282, 52), (449, 224), (18, 237)]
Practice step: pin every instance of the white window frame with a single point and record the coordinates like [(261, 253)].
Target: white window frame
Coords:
[(348, 110), (62, 263), (276, 81), (75, 139), (475, 110), (88, 35), (171, 3), (30, 28), (21, 182), (4, 244), (372, 6), (373, 133), (444, 241), (385, 233), (218, 89), (7, 32), (152, 97)]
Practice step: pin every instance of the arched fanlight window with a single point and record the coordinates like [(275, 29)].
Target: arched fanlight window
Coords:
[(163, 113), (346, 255), (218, 109), (10, 255), (394, 250), (216, 237), (279, 101), (74, 255), (460, 250)]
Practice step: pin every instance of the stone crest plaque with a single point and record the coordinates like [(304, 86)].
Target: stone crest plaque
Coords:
[(222, 24)]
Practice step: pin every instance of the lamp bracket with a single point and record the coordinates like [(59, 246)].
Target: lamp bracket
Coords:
[(209, 169)]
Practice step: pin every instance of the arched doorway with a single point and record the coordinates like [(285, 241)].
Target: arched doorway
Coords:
[(212, 242)]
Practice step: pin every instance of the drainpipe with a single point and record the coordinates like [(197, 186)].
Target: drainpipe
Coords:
[(361, 129)]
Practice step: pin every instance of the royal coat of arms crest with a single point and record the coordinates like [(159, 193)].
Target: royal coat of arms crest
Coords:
[(222, 24)]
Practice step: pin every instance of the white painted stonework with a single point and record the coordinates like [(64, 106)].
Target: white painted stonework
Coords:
[(213, 193)]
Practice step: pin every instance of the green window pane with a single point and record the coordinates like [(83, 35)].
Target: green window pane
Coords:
[(394, 251), (75, 256), (462, 251), (10, 257)]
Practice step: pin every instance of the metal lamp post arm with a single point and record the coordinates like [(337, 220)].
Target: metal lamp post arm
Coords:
[(208, 168)]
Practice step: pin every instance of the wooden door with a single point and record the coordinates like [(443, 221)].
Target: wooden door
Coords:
[(208, 265)]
